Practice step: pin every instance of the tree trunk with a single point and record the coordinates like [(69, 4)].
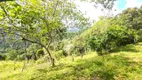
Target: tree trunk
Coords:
[(14, 64), (52, 61), (72, 58), (50, 57), (24, 66), (82, 55)]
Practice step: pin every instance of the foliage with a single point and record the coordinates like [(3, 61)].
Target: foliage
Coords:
[(131, 18), (12, 54), (21, 57), (140, 35), (109, 37), (41, 22), (69, 49), (41, 60), (59, 54), (31, 51), (60, 46), (31, 28), (40, 53), (2, 56)]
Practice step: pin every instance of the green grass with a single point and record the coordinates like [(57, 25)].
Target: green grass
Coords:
[(123, 64)]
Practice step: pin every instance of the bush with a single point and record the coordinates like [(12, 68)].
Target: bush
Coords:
[(2, 56), (41, 60), (39, 53), (59, 54), (113, 37), (21, 57), (11, 55), (68, 49), (60, 46), (31, 51)]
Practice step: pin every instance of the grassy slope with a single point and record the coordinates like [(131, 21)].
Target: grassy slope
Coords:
[(125, 64)]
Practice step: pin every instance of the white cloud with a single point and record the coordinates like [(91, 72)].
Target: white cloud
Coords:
[(94, 13), (133, 3), (89, 9)]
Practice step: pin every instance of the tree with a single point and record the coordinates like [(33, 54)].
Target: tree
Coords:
[(131, 18), (38, 21), (109, 35), (5, 0)]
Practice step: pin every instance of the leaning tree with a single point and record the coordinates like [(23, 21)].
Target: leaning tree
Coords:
[(39, 21)]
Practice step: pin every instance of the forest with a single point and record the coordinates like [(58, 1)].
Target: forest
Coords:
[(54, 40)]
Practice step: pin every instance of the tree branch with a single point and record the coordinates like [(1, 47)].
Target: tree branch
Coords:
[(32, 41), (55, 8), (11, 21)]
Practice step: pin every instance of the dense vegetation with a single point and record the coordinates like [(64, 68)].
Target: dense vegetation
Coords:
[(36, 44)]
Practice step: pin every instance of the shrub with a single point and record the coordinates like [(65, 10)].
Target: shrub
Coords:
[(2, 56), (113, 37), (11, 55), (39, 53), (59, 54), (21, 57), (31, 51), (68, 49), (60, 46), (39, 61)]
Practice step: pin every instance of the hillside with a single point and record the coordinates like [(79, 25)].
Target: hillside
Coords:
[(57, 40), (123, 64)]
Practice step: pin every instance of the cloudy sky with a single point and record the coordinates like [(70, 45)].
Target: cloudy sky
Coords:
[(120, 5)]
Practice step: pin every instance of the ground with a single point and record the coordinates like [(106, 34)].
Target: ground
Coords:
[(124, 63)]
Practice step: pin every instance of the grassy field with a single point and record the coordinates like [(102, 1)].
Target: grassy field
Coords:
[(123, 64)]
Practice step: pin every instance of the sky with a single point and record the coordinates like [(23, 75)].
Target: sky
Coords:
[(119, 5)]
